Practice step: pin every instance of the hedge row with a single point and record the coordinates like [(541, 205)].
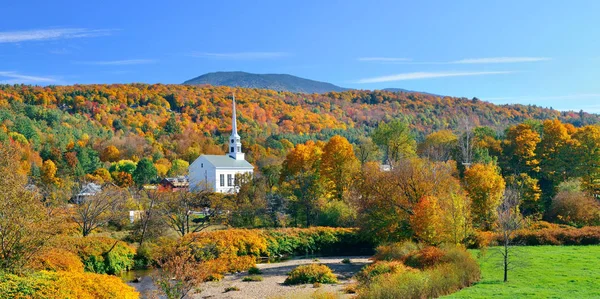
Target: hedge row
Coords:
[(276, 242), (235, 250), (589, 235)]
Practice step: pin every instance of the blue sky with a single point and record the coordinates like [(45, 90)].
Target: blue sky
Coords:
[(540, 52)]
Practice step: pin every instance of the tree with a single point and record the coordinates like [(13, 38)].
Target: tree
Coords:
[(484, 185), (49, 173), (171, 126), (338, 165), (386, 200), (249, 206), (110, 153), (366, 151), (24, 224), (179, 167), (189, 212), (395, 139), (300, 179), (149, 224), (179, 272), (438, 146), (519, 148), (587, 151), (426, 221), (145, 172), (98, 209), (509, 221)]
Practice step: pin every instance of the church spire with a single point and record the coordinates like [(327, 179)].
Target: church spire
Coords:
[(235, 144), (234, 120)]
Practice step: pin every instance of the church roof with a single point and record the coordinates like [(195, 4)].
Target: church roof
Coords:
[(224, 161)]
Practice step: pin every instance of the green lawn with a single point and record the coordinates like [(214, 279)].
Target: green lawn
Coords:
[(543, 272)]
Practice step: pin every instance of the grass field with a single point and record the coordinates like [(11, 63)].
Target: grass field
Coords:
[(540, 272)]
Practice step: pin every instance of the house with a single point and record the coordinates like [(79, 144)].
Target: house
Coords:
[(174, 184), (219, 173), (87, 190)]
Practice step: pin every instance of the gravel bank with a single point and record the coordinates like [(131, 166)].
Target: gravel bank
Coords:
[(275, 274)]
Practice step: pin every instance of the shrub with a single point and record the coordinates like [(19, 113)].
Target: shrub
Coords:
[(54, 259), (574, 208), (231, 289), (58, 285), (424, 258), (442, 275), (395, 251), (310, 274), (366, 274), (99, 254), (252, 278), (254, 271), (346, 261)]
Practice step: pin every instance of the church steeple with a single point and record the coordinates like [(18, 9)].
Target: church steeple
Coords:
[(235, 144)]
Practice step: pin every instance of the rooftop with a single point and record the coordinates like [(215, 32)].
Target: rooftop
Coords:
[(224, 161)]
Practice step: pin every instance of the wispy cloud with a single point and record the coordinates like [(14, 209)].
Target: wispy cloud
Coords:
[(487, 60), (118, 62), (427, 75), (241, 55), (559, 97), (9, 77), (500, 60), (50, 34), (383, 59)]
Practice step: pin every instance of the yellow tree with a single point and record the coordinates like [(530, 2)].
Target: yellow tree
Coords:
[(520, 150), (338, 165), (438, 146), (111, 154), (300, 177), (556, 155), (587, 152), (48, 174), (485, 187)]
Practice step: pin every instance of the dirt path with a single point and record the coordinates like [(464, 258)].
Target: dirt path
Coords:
[(275, 274)]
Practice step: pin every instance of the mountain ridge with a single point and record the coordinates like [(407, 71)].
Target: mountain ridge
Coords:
[(278, 82)]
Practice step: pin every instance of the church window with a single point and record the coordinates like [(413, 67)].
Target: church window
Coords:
[(201, 165), (232, 149), (231, 140), (222, 177), (229, 180)]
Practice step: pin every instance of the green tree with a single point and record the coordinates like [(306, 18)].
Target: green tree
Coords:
[(395, 139), (145, 172)]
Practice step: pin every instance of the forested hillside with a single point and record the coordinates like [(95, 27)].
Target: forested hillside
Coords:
[(79, 129)]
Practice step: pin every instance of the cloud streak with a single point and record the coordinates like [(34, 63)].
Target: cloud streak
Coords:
[(241, 55), (50, 34), (15, 78), (499, 60), (486, 60), (427, 75), (383, 59), (560, 97), (118, 62)]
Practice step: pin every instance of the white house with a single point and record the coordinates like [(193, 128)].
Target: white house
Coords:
[(218, 172)]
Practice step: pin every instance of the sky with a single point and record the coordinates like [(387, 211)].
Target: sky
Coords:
[(545, 53)]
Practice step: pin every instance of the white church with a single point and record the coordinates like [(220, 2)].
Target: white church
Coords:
[(218, 172)]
